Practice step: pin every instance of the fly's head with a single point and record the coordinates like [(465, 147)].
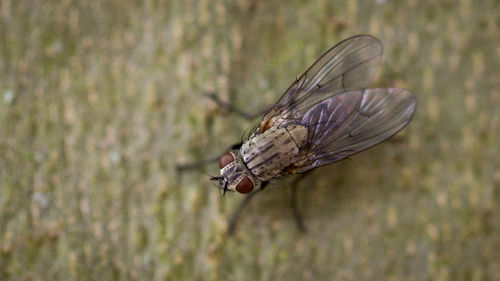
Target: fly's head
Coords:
[(235, 175)]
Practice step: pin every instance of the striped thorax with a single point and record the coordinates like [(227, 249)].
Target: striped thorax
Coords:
[(262, 157), (267, 154)]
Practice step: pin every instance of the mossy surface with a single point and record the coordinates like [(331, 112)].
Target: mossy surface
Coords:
[(99, 100)]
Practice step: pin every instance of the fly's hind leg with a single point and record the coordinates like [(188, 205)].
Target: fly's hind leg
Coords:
[(233, 221), (293, 203), (202, 163), (230, 108)]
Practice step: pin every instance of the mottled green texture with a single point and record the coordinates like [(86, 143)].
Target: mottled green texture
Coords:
[(100, 100)]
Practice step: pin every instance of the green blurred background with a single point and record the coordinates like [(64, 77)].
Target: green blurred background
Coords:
[(99, 100)]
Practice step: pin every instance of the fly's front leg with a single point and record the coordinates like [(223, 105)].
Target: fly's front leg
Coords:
[(293, 203), (202, 163), (233, 221), (230, 108)]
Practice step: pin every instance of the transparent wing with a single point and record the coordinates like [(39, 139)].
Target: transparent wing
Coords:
[(351, 122), (350, 64)]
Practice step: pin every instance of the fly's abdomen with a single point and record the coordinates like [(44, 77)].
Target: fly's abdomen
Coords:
[(268, 153)]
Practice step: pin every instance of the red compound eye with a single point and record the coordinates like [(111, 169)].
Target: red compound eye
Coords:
[(225, 159), (245, 186)]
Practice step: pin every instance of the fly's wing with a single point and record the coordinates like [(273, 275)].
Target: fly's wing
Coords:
[(352, 121), (350, 64)]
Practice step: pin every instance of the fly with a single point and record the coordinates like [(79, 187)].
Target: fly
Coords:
[(326, 115)]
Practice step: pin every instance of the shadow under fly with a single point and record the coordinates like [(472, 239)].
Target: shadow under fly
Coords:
[(325, 116)]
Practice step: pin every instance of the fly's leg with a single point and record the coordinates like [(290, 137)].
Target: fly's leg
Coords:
[(233, 221), (230, 108), (202, 163), (293, 203)]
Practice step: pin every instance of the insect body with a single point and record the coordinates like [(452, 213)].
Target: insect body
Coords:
[(325, 116), (269, 153)]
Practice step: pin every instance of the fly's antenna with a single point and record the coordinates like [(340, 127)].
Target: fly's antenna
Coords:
[(218, 180), (213, 178), (221, 184), (225, 189)]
